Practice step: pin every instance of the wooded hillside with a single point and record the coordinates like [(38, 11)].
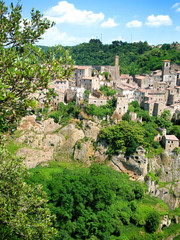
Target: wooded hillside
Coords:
[(134, 58)]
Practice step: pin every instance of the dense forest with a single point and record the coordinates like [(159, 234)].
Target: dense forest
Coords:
[(134, 58), (100, 203)]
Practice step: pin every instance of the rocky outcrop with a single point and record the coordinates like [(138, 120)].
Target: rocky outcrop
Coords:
[(33, 157), (43, 141), (84, 152), (46, 140), (91, 129), (166, 186), (135, 165)]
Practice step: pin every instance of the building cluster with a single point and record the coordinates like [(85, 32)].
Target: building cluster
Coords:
[(155, 92)]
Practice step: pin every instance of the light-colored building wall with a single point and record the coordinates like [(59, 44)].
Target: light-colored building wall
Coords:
[(97, 101), (122, 105), (62, 85), (58, 98), (80, 72), (170, 142), (142, 81), (90, 83)]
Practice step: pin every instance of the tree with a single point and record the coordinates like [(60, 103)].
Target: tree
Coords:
[(24, 211), (152, 222), (25, 68)]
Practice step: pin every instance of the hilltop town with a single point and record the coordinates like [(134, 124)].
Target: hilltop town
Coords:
[(155, 92)]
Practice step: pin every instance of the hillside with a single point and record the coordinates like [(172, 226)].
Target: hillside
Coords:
[(133, 57), (89, 198)]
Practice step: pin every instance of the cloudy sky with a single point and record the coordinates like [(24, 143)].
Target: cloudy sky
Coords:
[(77, 21)]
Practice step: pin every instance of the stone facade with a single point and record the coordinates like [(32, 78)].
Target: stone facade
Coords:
[(97, 101), (170, 142), (122, 105), (90, 83)]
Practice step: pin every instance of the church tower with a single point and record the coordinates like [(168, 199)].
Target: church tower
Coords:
[(166, 67), (116, 60)]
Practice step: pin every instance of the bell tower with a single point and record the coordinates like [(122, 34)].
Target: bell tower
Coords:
[(166, 67), (116, 60)]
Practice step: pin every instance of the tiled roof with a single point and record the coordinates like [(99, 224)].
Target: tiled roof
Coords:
[(171, 137), (81, 67)]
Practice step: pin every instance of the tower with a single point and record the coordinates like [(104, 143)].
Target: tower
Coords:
[(116, 60), (166, 67)]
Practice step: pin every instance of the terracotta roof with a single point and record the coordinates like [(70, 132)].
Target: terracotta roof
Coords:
[(166, 60), (123, 87), (171, 137), (140, 77), (51, 86), (81, 67), (59, 91), (130, 85), (125, 76)]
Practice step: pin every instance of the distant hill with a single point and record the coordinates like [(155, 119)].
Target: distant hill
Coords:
[(134, 58)]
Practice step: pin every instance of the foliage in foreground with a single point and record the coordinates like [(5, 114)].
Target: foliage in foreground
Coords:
[(24, 210), (25, 68), (99, 203)]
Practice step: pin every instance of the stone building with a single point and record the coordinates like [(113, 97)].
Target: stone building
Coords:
[(62, 85), (126, 78), (81, 72), (169, 76), (60, 95), (122, 105), (90, 83), (142, 81), (97, 101), (114, 71), (170, 142)]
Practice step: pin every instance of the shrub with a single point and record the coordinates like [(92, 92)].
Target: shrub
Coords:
[(152, 222)]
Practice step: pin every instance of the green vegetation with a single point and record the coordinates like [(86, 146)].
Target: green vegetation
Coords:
[(24, 68), (98, 203), (23, 65), (107, 91), (65, 112), (102, 111), (134, 58), (127, 135), (24, 210)]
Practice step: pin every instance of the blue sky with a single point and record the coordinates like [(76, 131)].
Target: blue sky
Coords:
[(77, 21)]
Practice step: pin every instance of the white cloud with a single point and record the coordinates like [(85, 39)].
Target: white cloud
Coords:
[(160, 20), (175, 5), (109, 23), (66, 12), (178, 10), (177, 29), (52, 37), (134, 24)]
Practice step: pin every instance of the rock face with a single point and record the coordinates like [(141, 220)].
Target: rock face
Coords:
[(84, 152), (135, 165), (169, 177), (43, 141), (34, 156), (91, 129)]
